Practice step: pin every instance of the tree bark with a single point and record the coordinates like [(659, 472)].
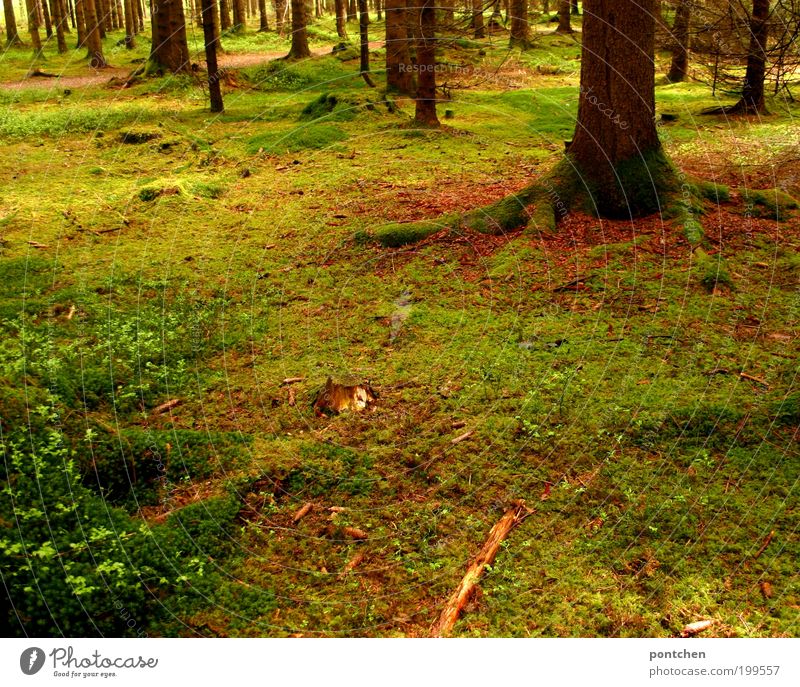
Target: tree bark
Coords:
[(478, 26), (94, 45), (425, 111), (81, 23), (363, 35), (263, 21), (399, 74), (299, 49), (12, 33), (214, 89), (169, 51), (616, 148), (351, 10), (752, 100), (225, 14), (48, 24), (59, 20), (341, 19), (280, 16), (33, 26), (519, 24), (564, 25), (130, 29), (239, 19), (679, 67)]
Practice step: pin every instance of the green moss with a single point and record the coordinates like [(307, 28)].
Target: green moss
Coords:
[(309, 137), (717, 193), (712, 271), (402, 234), (772, 203)]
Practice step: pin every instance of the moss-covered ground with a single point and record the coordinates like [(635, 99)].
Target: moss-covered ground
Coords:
[(638, 391)]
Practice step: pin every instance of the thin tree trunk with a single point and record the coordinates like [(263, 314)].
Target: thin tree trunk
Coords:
[(299, 49), (12, 33), (225, 14), (48, 24), (752, 100), (341, 19), (519, 24), (59, 20), (399, 74), (564, 25), (139, 15), (263, 21), (33, 27), (679, 67), (363, 34), (351, 10), (425, 111), (478, 26), (214, 89), (94, 45), (130, 40), (239, 20), (81, 22)]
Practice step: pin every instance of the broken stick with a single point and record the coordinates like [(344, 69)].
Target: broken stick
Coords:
[(452, 610)]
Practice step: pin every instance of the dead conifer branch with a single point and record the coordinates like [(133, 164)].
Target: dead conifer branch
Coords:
[(497, 535)]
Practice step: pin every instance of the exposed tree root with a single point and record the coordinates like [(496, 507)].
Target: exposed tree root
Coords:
[(743, 107), (649, 186), (455, 604)]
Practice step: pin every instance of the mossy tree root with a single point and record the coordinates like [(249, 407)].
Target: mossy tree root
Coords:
[(650, 186)]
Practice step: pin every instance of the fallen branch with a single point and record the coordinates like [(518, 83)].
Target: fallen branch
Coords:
[(169, 405), (452, 610), (765, 544), (463, 437), (291, 380), (305, 510)]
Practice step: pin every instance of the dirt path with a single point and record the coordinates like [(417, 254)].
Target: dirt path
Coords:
[(98, 77)]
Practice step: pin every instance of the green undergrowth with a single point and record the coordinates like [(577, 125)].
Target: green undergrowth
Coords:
[(175, 292)]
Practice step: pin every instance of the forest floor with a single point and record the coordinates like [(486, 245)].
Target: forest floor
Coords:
[(640, 393)]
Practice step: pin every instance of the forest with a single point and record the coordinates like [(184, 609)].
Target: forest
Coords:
[(381, 318)]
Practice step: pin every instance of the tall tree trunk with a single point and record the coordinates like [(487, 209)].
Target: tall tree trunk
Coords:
[(169, 51), (752, 100), (33, 26), (139, 15), (94, 45), (48, 24), (225, 14), (239, 20), (680, 42), (615, 148), (576, 10), (263, 21), (280, 16), (299, 49), (478, 26), (564, 25), (399, 74), (80, 17), (130, 31), (351, 10), (363, 35), (425, 111), (59, 20), (519, 24), (69, 9), (214, 89), (341, 24), (12, 33)]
